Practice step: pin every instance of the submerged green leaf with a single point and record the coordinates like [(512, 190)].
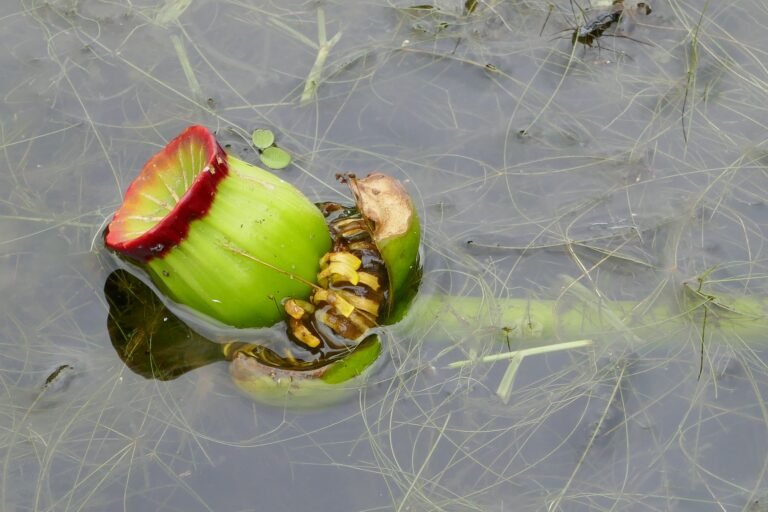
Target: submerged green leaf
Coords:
[(262, 138), (275, 158)]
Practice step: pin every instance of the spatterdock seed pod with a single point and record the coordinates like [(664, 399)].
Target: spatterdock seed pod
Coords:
[(216, 234)]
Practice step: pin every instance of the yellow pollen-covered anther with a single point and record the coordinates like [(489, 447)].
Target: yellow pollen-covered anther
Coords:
[(303, 335), (361, 303), (293, 309), (352, 223), (362, 321), (369, 280), (335, 300), (347, 258), (363, 245), (339, 271), (296, 308), (353, 233)]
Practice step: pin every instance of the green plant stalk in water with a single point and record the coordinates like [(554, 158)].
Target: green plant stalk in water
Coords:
[(580, 314)]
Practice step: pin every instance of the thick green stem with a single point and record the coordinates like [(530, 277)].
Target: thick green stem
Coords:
[(578, 317)]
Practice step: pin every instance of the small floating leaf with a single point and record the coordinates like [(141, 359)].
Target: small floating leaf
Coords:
[(263, 138), (275, 158), (470, 6)]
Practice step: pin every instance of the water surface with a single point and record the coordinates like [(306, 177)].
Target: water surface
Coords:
[(636, 169)]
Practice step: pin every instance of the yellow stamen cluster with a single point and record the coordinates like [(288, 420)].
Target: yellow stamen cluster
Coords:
[(361, 303), (336, 267), (334, 299), (369, 280), (297, 307), (352, 285), (305, 336)]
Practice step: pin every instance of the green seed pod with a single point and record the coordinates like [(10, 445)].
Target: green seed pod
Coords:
[(218, 235)]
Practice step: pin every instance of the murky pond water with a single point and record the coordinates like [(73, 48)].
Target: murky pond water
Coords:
[(631, 173)]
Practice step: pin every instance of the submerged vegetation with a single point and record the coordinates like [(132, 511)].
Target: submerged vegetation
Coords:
[(606, 205)]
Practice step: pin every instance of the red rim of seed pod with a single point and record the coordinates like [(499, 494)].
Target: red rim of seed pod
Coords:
[(193, 204)]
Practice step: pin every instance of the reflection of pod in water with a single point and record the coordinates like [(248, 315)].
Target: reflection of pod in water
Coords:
[(148, 337)]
